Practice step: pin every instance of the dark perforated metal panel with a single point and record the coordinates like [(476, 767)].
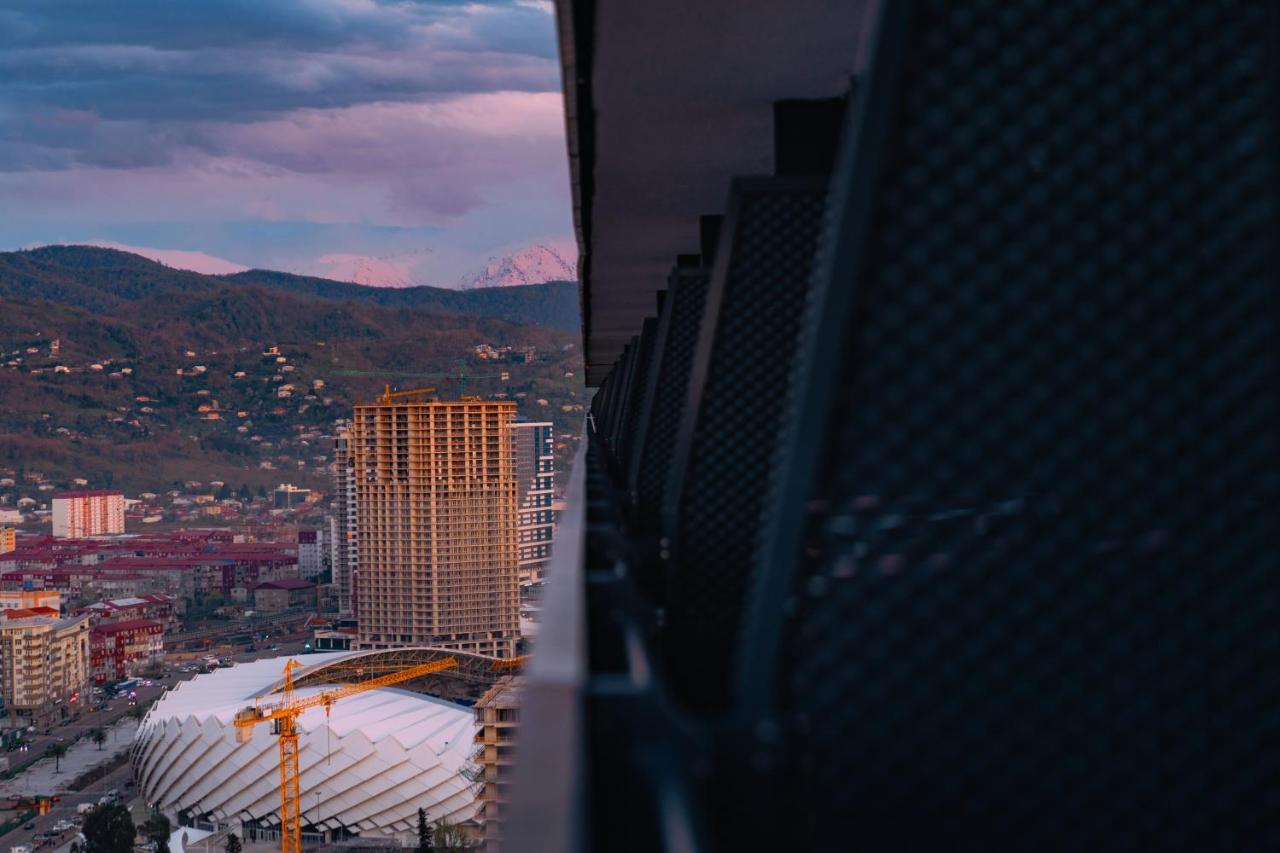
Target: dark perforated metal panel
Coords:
[(685, 303), (621, 382), (636, 394), (758, 298), (1039, 608)]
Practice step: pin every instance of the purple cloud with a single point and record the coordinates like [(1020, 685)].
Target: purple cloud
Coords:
[(369, 122)]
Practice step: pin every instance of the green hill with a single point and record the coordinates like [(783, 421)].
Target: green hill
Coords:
[(553, 304), (104, 279), (162, 375)]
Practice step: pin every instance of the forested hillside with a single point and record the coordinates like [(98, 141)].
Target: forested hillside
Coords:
[(126, 372)]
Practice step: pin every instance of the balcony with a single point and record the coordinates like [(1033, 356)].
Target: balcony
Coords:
[(926, 506)]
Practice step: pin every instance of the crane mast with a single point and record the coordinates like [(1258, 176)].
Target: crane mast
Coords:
[(283, 716)]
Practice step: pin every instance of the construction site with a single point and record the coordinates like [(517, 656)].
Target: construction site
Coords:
[(434, 487)]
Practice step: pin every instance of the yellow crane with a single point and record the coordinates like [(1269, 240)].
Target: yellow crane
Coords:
[(388, 395), (284, 714)]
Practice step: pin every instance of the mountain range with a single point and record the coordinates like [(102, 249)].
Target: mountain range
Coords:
[(107, 358), (531, 265), (102, 279)]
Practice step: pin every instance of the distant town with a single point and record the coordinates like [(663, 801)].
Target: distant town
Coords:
[(256, 404), (108, 600)]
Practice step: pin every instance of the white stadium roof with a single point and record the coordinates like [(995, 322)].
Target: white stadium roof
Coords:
[(379, 757)]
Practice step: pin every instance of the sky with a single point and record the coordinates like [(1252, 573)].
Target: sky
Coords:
[(415, 137)]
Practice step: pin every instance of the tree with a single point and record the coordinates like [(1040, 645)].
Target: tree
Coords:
[(56, 751), (450, 837), (158, 829), (109, 829), (424, 833), (99, 737), (233, 844)]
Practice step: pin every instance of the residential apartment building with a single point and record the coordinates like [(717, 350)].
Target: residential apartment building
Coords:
[(284, 594), (119, 650), (19, 599), (342, 526), (44, 666), (88, 513), (535, 485), (8, 539), (287, 496), (497, 721), (310, 553), (155, 607), (436, 518)]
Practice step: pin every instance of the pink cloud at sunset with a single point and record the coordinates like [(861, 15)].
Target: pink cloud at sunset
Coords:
[(177, 258), (283, 134)]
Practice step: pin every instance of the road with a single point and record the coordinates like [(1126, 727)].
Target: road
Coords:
[(65, 809), (71, 731), (120, 779)]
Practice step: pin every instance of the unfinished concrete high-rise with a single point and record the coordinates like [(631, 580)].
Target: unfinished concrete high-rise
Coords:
[(435, 523)]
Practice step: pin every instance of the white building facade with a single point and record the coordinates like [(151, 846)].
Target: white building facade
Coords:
[(535, 482)]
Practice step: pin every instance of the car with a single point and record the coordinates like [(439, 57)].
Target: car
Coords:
[(29, 826), (57, 798)]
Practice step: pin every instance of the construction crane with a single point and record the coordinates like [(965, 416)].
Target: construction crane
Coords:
[(283, 715), (462, 377), (388, 395)]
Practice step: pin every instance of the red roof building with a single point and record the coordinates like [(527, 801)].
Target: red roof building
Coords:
[(122, 649)]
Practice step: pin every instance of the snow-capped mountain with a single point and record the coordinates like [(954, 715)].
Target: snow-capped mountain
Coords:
[(399, 270), (533, 265)]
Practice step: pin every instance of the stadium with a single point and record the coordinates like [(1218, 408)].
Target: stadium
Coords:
[(367, 765)]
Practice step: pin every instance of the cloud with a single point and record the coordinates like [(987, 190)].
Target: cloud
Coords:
[(177, 258), (278, 133), (227, 60)]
